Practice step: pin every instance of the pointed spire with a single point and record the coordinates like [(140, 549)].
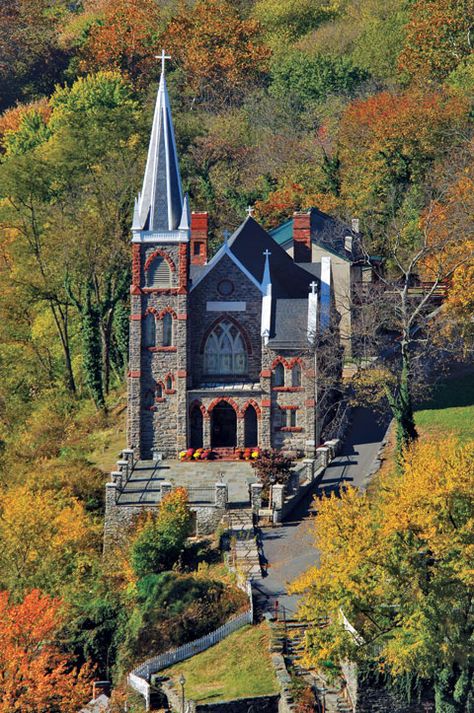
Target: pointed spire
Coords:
[(185, 222), (160, 205)]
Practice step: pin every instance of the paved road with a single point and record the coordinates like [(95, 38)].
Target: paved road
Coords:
[(288, 549)]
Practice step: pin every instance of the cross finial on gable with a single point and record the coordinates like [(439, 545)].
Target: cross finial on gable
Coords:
[(163, 56), (313, 286), (267, 253), (250, 211)]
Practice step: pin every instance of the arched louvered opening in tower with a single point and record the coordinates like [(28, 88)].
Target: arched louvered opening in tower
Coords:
[(159, 273)]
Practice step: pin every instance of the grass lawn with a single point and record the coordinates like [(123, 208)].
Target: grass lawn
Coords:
[(237, 667), (450, 411)]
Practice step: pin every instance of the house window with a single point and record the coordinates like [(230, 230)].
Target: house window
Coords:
[(149, 330), (225, 353), (159, 273), (296, 375), (169, 383), (167, 330), (279, 375), (291, 418)]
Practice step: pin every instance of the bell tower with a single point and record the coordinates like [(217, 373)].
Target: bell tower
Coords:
[(158, 368)]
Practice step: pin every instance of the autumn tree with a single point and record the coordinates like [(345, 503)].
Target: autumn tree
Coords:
[(396, 565), (438, 38), (220, 54), (122, 35), (35, 675)]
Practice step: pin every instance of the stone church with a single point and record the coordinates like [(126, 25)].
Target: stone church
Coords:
[(220, 348)]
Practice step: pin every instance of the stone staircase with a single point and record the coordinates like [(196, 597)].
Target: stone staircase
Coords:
[(330, 695), (243, 554)]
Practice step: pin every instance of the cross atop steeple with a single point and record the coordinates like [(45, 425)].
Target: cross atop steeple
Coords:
[(250, 210), (163, 56), (313, 286)]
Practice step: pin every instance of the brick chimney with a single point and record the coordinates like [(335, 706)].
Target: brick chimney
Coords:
[(302, 236), (199, 225)]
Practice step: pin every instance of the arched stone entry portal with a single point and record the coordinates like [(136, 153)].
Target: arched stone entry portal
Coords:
[(196, 427), (250, 427), (223, 426)]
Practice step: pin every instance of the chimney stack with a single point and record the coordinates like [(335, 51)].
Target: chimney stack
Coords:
[(199, 227), (302, 236)]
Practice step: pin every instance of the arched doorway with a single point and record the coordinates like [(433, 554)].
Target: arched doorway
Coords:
[(195, 428), (250, 427), (223, 426)]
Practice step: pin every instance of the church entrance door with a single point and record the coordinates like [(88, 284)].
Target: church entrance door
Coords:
[(250, 428), (196, 439), (223, 426)]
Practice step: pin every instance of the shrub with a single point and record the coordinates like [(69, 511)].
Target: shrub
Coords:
[(272, 467)]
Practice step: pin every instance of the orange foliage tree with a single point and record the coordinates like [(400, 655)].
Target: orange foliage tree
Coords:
[(282, 202), (34, 674), (125, 37), (219, 53), (438, 38), (388, 141)]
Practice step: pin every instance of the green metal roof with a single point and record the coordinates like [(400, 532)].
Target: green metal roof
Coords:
[(283, 233)]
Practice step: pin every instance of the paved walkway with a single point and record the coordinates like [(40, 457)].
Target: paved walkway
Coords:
[(288, 549)]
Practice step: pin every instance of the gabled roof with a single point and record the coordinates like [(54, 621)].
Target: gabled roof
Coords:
[(246, 247), (326, 231), (159, 206)]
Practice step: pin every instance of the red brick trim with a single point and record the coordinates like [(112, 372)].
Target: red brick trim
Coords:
[(295, 360), (161, 291), (183, 265), (162, 349), (161, 253), (266, 373), (310, 403), (170, 391), (134, 374), (182, 317), (159, 399), (289, 408), (255, 405), (288, 389), (136, 262), (135, 317), (135, 290), (227, 400), (291, 429), (230, 318), (169, 375), (181, 373), (167, 310), (280, 360), (266, 403)]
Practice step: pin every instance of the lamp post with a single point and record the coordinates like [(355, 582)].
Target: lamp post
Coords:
[(182, 681)]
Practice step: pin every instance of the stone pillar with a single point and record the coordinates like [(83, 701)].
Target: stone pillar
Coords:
[(165, 488), (110, 523), (206, 432), (256, 497), (309, 463), (240, 432), (221, 496), (324, 454), (333, 445), (122, 466), (277, 495), (127, 454), (116, 478)]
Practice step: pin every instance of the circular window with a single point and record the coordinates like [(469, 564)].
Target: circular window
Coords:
[(225, 288)]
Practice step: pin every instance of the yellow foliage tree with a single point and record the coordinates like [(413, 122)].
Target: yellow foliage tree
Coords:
[(397, 564)]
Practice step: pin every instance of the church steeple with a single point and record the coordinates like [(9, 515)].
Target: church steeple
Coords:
[(160, 205)]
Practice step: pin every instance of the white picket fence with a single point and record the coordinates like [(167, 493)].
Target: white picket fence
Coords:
[(139, 678)]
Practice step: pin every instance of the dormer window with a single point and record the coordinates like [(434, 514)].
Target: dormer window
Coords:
[(159, 273)]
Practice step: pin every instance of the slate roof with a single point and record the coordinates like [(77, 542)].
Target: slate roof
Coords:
[(248, 244), (290, 324), (326, 231)]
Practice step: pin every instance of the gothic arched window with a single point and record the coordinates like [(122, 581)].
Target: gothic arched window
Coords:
[(279, 375), (225, 352), (159, 391), (159, 273), (167, 330), (296, 375), (149, 330), (168, 383)]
